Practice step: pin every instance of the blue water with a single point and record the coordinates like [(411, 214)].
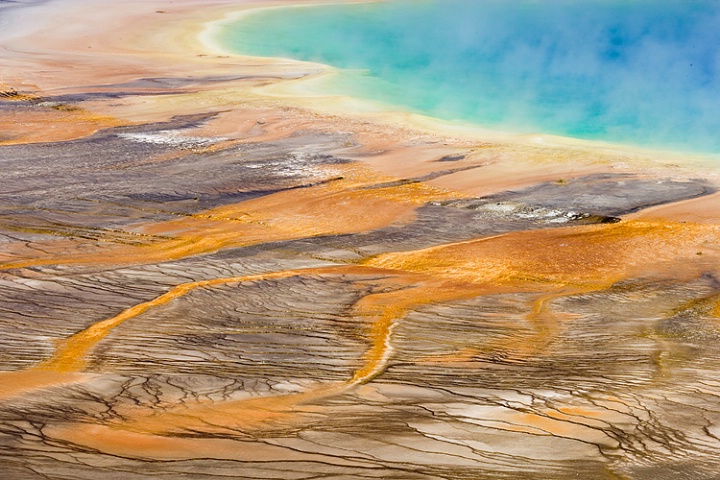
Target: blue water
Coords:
[(636, 72)]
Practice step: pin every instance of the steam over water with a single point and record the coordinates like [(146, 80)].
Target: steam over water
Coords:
[(641, 72)]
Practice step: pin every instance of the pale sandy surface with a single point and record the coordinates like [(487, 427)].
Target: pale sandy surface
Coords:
[(204, 273)]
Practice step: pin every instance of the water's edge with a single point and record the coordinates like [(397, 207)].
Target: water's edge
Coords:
[(328, 83)]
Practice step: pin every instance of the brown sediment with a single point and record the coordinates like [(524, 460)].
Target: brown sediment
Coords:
[(533, 261), (693, 211), (545, 327), (70, 358), (493, 404), (523, 341), (23, 381), (244, 417), (70, 355), (525, 261), (384, 310), (146, 446), (562, 262), (464, 355), (51, 124)]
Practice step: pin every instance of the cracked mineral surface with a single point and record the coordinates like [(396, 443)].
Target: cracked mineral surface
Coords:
[(198, 280)]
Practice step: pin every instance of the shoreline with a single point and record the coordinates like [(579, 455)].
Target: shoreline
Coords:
[(297, 92), (242, 88), (200, 278), (246, 85), (190, 39)]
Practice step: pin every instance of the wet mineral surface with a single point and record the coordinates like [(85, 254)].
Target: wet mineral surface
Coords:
[(179, 304)]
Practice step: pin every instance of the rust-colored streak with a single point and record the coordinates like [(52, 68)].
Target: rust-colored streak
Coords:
[(71, 353), (549, 264), (529, 378), (348, 205), (590, 257), (21, 381), (557, 262), (50, 124)]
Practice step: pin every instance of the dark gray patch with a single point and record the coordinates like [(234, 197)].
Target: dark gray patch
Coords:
[(451, 158), (539, 206), (601, 194)]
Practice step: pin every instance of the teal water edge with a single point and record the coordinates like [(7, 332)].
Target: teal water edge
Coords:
[(642, 73)]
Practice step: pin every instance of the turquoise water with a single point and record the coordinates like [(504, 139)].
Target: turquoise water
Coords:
[(634, 72)]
